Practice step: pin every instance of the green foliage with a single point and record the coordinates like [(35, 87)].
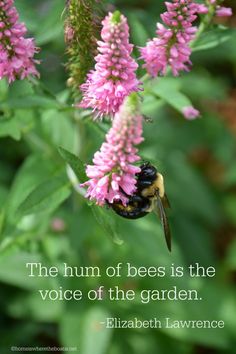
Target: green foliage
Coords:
[(46, 197), (102, 215), (169, 91), (92, 337), (213, 38), (45, 144), (75, 163), (35, 171), (107, 222), (10, 127)]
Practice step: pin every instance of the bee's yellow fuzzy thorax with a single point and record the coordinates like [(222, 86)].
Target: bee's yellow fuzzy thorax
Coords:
[(158, 185)]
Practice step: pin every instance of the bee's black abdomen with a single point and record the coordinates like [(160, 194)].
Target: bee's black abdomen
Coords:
[(136, 208)]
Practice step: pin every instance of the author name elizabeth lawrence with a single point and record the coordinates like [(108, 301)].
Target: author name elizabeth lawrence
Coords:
[(116, 322)]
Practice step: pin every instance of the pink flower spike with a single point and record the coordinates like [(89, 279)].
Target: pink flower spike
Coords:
[(16, 52), (224, 11), (114, 76), (171, 47), (190, 113), (113, 175)]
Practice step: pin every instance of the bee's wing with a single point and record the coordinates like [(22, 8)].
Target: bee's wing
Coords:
[(164, 221), (166, 202)]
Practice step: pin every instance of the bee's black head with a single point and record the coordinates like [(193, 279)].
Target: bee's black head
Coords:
[(148, 172)]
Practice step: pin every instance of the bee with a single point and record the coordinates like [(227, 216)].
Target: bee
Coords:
[(149, 196)]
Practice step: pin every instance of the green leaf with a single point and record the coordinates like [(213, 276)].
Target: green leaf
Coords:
[(3, 197), (166, 89), (33, 101), (103, 217), (2, 216), (85, 330), (20, 89), (213, 38), (49, 34), (203, 203), (10, 127), (3, 89), (138, 30), (46, 197), (75, 163), (169, 92), (99, 129), (28, 15), (31, 305), (16, 122), (51, 27), (34, 171), (151, 105), (13, 270), (58, 126), (107, 221), (95, 336)]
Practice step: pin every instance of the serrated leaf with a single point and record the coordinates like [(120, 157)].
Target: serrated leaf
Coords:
[(75, 163), (34, 171), (213, 38), (107, 222), (45, 197)]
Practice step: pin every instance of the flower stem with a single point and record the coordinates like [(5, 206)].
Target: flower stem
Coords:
[(206, 22)]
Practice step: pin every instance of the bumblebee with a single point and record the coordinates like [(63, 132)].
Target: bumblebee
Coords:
[(149, 196)]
